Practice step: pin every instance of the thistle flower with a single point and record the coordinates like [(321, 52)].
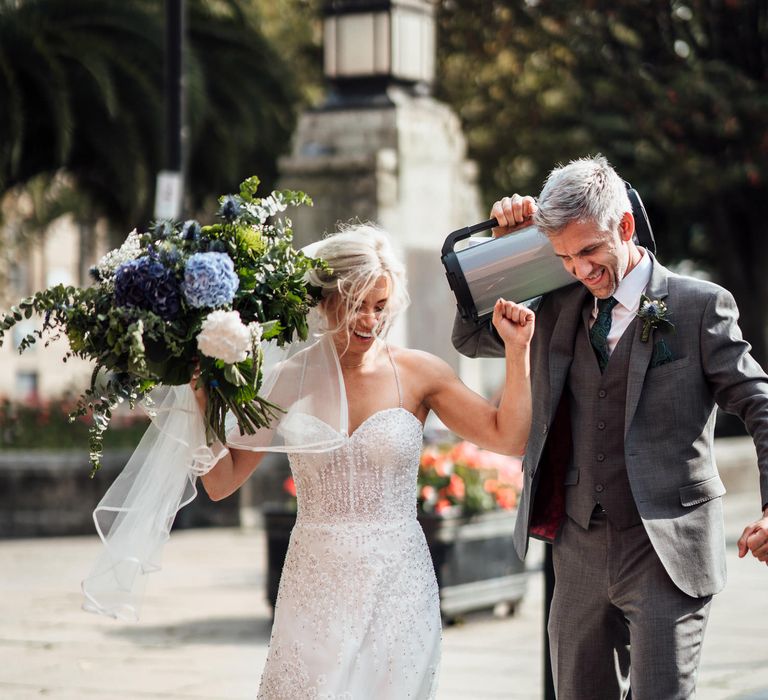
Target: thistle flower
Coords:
[(230, 207)]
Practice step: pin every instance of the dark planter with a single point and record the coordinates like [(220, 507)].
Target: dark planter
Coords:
[(278, 523), (475, 563)]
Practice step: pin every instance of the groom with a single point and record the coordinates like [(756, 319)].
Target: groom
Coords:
[(627, 367)]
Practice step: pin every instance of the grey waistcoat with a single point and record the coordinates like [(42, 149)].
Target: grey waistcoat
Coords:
[(598, 474)]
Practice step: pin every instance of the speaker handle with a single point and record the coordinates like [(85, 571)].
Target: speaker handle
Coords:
[(460, 234), (643, 230)]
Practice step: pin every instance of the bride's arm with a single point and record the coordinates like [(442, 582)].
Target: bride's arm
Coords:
[(230, 473), (504, 429), (232, 470)]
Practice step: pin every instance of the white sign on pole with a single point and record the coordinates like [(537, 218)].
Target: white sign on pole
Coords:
[(168, 193)]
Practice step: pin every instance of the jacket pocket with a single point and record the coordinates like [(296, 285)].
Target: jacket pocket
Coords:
[(668, 367), (702, 491), (571, 477)]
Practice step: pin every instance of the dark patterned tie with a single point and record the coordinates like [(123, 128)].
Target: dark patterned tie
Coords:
[(598, 334)]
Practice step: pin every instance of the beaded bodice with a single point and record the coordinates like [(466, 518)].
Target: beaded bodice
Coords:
[(370, 478)]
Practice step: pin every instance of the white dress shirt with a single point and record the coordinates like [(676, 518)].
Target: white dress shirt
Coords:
[(628, 295)]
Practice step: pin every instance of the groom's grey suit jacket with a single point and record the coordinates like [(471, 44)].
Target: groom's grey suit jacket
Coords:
[(668, 426)]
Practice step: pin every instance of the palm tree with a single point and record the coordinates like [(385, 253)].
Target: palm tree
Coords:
[(81, 88)]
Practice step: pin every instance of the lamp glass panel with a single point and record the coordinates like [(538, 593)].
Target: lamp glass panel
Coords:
[(355, 42), (408, 32)]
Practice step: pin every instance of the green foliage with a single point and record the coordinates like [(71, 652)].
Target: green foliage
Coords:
[(665, 89)]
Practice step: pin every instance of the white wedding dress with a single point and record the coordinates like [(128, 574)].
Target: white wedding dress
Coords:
[(358, 610)]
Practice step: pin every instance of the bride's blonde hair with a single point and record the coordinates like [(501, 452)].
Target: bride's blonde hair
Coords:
[(357, 255)]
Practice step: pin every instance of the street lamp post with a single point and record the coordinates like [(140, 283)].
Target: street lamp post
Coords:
[(169, 193)]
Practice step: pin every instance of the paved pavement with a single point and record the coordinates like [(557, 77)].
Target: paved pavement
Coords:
[(205, 627)]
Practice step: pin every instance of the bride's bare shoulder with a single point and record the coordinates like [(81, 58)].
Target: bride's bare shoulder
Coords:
[(420, 364)]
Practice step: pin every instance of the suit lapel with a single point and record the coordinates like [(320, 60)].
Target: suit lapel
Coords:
[(561, 345), (640, 359)]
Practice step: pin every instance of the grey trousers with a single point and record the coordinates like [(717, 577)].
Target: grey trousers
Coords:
[(617, 620)]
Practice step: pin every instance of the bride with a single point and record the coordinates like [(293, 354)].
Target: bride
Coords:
[(358, 614)]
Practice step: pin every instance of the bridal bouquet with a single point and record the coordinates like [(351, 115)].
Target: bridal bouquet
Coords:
[(180, 296)]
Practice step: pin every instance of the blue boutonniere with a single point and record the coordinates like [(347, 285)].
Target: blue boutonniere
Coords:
[(654, 314)]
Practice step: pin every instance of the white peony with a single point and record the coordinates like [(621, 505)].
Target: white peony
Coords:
[(224, 336)]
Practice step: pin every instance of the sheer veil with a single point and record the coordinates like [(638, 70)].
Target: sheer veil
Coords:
[(135, 516)]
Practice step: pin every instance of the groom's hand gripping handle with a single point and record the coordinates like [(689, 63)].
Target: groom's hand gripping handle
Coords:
[(512, 213)]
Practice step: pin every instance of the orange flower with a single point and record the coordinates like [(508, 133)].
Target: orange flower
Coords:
[(506, 497), (428, 492), (456, 487), (430, 456), (442, 505), (441, 465), (465, 452), (289, 485), (511, 470), (464, 467)]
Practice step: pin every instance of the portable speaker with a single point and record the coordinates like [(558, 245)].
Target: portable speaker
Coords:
[(519, 266)]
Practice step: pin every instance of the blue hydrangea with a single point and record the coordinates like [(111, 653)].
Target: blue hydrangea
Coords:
[(210, 280), (146, 283)]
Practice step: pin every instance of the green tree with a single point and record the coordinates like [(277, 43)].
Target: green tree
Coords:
[(81, 88), (674, 93)]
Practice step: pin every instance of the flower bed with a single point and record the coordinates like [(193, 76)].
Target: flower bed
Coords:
[(462, 479)]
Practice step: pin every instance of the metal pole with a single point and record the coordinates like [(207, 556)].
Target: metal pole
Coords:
[(549, 590), (170, 183), (174, 61)]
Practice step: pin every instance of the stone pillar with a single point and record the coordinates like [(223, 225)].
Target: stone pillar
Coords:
[(403, 166)]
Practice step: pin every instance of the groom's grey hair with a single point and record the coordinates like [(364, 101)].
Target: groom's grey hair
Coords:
[(586, 190)]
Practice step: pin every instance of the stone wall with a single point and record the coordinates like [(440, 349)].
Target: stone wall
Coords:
[(49, 493)]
